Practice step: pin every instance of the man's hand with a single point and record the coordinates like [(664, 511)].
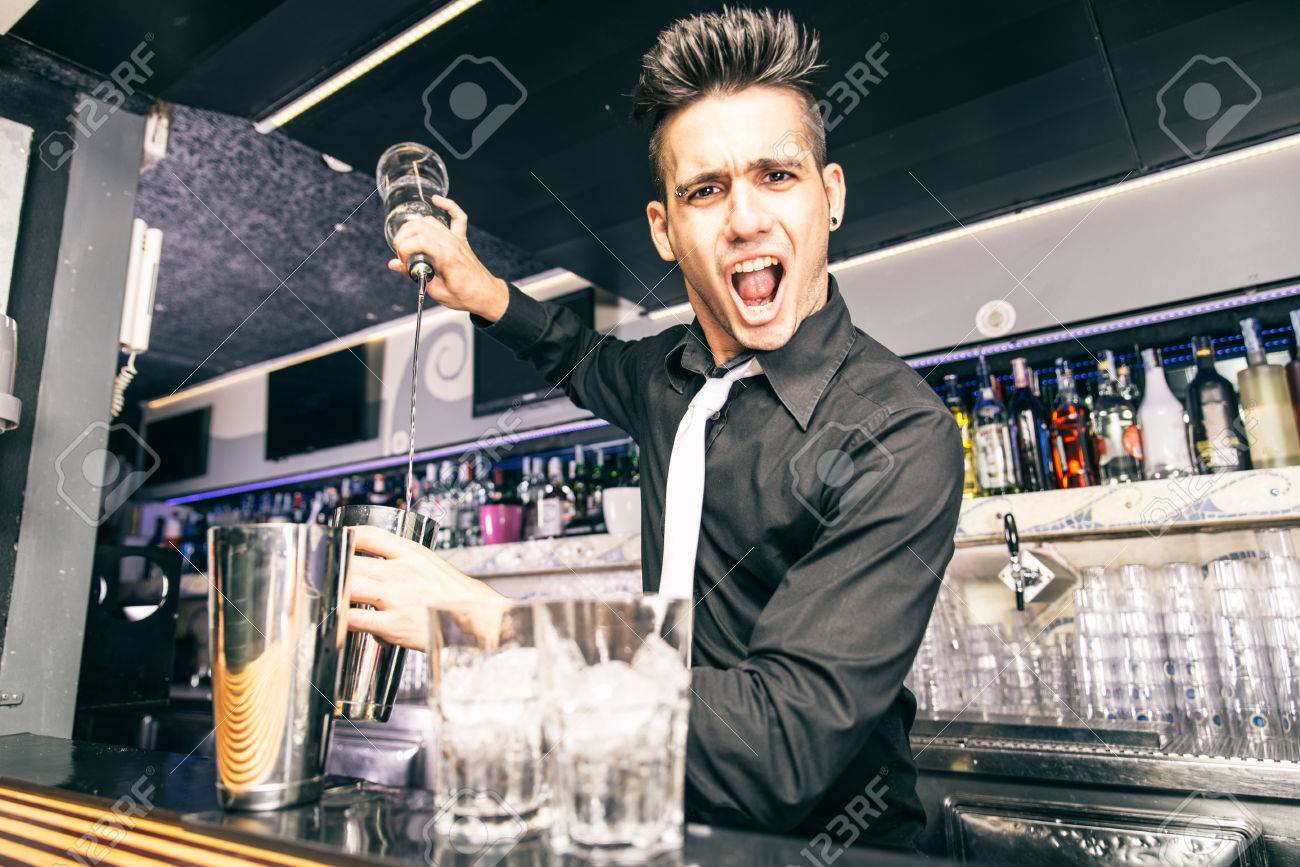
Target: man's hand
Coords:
[(460, 280), (402, 580)]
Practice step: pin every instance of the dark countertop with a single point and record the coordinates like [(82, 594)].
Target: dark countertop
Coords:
[(354, 822)]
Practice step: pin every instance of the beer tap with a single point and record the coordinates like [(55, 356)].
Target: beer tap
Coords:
[(1022, 575)]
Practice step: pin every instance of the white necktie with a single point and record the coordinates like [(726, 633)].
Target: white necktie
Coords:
[(685, 497)]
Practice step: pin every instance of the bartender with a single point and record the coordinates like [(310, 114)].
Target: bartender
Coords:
[(798, 480)]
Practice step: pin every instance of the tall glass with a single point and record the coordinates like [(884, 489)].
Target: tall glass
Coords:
[(618, 690), (486, 693), (275, 637)]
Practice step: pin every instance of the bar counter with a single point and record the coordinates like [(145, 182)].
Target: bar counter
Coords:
[(75, 802)]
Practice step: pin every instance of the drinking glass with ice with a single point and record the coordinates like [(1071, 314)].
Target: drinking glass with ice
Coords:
[(485, 690), (616, 695)]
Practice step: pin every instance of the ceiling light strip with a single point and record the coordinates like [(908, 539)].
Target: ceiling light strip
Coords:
[(342, 79), (379, 464), (1074, 201)]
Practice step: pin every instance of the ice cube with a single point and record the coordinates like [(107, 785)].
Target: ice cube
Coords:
[(613, 708), (661, 663)]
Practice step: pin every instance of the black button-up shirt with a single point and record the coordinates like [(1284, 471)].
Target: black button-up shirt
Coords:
[(832, 490)]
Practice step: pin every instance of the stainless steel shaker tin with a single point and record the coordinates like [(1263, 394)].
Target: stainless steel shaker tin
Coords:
[(372, 668), (276, 636)]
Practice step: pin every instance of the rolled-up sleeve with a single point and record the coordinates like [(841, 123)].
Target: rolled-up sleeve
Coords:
[(830, 649), (596, 371)]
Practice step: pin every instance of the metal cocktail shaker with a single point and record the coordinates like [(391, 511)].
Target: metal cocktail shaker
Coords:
[(275, 638), (372, 668)]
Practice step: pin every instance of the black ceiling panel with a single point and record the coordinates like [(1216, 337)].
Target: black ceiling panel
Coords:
[(99, 36), (1246, 52), (295, 45)]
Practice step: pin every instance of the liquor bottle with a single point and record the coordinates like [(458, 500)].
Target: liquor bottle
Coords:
[(1134, 438), (527, 491), (952, 399), (1071, 458), (984, 377), (498, 491), (1119, 442), (1127, 387), (1030, 432), (469, 499), (553, 501), (1293, 368), (596, 493), (159, 533), (633, 476), (1165, 454), (1266, 405), (1212, 417), (444, 508), (994, 462), (378, 495), (580, 481)]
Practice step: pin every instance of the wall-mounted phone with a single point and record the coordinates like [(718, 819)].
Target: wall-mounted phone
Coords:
[(138, 303)]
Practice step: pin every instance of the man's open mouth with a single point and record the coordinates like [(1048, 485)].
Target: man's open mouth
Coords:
[(756, 283)]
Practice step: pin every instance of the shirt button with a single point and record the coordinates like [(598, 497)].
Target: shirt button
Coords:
[(716, 416)]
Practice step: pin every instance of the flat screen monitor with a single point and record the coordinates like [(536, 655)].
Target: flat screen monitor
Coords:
[(324, 402), (181, 444), (501, 380)]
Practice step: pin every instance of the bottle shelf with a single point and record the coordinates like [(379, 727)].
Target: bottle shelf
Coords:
[(1242, 500)]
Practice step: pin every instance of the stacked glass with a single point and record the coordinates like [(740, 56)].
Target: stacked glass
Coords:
[(1101, 672), (1150, 694), (1054, 664), (1246, 667), (930, 678), (1193, 660), (1022, 692), (1278, 611), (980, 667)]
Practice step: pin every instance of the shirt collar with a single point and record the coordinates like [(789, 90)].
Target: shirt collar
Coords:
[(798, 372)]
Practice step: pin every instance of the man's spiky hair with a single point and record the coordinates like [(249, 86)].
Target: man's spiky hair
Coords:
[(719, 53)]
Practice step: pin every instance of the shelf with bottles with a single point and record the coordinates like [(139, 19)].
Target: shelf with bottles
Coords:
[(478, 498), (1144, 403)]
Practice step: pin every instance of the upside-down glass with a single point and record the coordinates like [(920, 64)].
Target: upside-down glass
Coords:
[(617, 695), (485, 690)]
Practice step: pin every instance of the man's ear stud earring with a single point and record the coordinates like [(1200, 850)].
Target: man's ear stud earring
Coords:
[(835, 221)]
